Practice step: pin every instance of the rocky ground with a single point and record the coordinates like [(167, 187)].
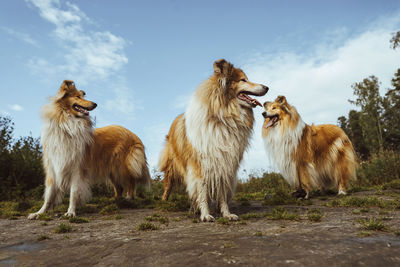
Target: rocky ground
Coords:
[(362, 229)]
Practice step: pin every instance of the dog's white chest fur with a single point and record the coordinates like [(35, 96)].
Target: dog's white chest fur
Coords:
[(65, 143), (280, 145), (220, 144)]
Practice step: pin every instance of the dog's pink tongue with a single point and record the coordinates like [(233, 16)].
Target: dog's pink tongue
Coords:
[(270, 123)]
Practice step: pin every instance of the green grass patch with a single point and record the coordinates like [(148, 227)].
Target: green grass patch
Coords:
[(279, 197), (157, 218), (372, 224), (281, 213), (314, 215), (43, 237), (63, 228), (147, 226), (251, 215), (395, 184), (258, 234), (176, 202), (223, 221), (364, 234), (229, 245), (78, 220), (44, 217), (110, 209)]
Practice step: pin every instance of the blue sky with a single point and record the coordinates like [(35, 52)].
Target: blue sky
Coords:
[(141, 60)]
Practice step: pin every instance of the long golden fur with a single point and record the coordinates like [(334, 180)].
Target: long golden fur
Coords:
[(205, 145), (307, 156), (75, 155)]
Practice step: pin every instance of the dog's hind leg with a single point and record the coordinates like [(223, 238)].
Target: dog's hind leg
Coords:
[(131, 191), (52, 196), (167, 181), (79, 193), (304, 180), (117, 190)]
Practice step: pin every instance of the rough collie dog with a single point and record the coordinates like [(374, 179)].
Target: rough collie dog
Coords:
[(205, 145), (75, 155), (307, 156)]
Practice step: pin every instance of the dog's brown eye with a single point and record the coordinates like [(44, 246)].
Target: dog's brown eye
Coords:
[(243, 80), (274, 108)]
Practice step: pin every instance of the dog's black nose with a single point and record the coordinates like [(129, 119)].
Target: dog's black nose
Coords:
[(94, 105), (266, 88), (264, 114)]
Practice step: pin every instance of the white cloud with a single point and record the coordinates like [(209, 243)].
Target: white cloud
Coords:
[(181, 101), (20, 36), (16, 107), (90, 56), (319, 84)]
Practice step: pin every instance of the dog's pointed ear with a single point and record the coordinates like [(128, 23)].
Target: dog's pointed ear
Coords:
[(281, 100), (221, 66), (65, 87)]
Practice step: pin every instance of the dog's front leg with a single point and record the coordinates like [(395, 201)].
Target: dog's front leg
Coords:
[(79, 192), (225, 209), (202, 202), (51, 197)]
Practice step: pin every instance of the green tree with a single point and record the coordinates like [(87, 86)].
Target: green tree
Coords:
[(391, 115), (395, 41), (20, 162), (356, 134), (370, 118)]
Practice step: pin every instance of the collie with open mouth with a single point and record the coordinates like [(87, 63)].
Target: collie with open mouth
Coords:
[(75, 155), (308, 156), (205, 145)]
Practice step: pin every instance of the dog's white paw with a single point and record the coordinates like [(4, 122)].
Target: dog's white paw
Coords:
[(341, 192), (207, 218), (231, 217), (33, 216), (70, 214)]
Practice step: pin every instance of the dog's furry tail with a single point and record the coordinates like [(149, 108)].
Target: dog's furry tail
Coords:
[(137, 165)]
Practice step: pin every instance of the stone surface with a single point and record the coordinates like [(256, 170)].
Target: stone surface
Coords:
[(335, 241)]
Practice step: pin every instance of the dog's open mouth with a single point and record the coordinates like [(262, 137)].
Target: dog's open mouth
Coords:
[(272, 121), (245, 97), (81, 109)]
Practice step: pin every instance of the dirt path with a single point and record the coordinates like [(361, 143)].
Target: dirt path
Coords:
[(336, 240)]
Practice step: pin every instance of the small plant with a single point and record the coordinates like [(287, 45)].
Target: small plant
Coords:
[(78, 220), (157, 218), (109, 209), (372, 224), (364, 234), (314, 215), (63, 228), (118, 217), (258, 234), (44, 217), (43, 237), (281, 213), (250, 215), (223, 221), (147, 226), (228, 245)]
